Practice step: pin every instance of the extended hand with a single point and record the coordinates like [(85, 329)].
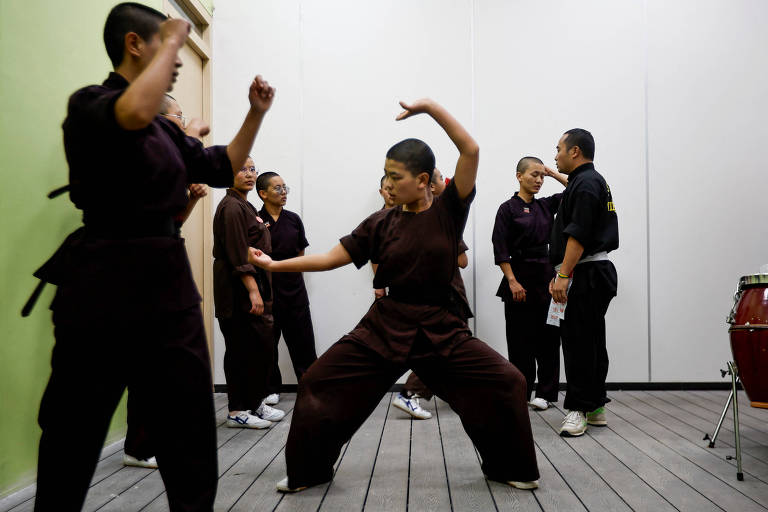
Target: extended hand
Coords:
[(558, 288), (175, 29), (379, 293), (260, 94), (549, 172), (197, 128), (197, 191), (258, 258), (518, 292), (417, 107)]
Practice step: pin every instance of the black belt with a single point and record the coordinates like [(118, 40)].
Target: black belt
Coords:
[(419, 296), (539, 251), (111, 229)]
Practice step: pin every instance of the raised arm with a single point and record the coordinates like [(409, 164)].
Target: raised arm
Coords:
[(335, 258), (562, 178), (469, 151), (260, 95), (140, 102)]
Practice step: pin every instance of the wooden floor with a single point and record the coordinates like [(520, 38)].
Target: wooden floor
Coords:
[(650, 457)]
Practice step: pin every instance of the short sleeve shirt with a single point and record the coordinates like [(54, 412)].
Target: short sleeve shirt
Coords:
[(288, 240)]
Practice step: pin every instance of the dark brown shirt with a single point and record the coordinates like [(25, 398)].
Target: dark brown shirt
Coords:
[(237, 226), (416, 255), (130, 185)]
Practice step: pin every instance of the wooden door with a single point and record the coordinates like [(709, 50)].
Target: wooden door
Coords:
[(192, 92)]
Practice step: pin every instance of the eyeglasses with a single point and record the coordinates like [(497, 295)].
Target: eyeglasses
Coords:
[(179, 117), (249, 170), (280, 189)]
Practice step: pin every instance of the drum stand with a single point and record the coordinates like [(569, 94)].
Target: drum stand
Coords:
[(733, 371)]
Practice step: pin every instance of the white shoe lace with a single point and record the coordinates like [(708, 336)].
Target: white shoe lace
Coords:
[(573, 420)]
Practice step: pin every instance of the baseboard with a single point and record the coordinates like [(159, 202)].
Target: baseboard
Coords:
[(611, 386)]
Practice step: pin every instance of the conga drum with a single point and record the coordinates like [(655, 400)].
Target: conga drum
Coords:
[(749, 336)]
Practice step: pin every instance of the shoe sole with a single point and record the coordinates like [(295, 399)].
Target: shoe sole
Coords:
[(601, 423), (410, 412), (526, 486), (256, 427), (145, 466), (565, 433), (537, 408), (287, 490)]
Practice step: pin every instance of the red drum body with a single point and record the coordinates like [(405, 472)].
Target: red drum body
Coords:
[(749, 336)]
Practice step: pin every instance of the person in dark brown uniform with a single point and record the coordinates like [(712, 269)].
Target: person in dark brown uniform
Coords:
[(126, 311), (407, 400), (243, 295), (293, 319), (520, 235), (417, 325)]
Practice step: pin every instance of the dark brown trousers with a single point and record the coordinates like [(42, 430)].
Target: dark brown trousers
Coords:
[(533, 347), (346, 383), (162, 358), (248, 357)]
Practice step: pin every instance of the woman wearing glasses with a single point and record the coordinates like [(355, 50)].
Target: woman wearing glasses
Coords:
[(242, 294), (418, 325), (291, 302)]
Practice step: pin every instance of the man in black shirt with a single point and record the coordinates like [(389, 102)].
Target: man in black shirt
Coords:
[(126, 311), (585, 231)]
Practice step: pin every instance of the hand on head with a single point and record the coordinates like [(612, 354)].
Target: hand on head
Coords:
[(260, 94)]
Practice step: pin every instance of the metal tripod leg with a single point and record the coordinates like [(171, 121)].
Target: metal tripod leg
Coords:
[(734, 377), (720, 422)]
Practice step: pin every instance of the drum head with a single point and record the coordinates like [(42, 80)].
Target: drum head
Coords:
[(753, 280)]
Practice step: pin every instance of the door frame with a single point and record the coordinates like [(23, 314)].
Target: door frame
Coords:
[(199, 41)]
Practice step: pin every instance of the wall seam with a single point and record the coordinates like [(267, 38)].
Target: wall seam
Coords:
[(473, 121), (647, 189)]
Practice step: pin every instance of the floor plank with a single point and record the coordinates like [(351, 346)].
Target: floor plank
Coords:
[(650, 457), (349, 487), (389, 483), (703, 471), (466, 481)]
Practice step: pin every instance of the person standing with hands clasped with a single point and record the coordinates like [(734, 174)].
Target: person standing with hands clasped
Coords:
[(586, 229), (126, 311), (520, 248)]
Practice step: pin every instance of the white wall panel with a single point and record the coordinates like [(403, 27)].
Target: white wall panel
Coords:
[(688, 74), (707, 124), (543, 68)]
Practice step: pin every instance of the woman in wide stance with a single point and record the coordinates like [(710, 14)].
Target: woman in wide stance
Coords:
[(418, 325)]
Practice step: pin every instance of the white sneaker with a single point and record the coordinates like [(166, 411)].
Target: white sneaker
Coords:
[(245, 420), (574, 424), (268, 413), (272, 399), (129, 460), (533, 484), (411, 406), (282, 486), (539, 404)]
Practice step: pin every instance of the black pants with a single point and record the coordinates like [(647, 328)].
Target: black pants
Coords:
[(531, 342), (346, 383), (162, 358), (583, 333), (294, 322), (248, 339), (138, 443)]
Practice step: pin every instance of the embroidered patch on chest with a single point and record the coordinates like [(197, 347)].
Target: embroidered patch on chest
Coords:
[(526, 209)]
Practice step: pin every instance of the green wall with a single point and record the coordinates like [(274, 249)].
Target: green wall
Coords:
[(47, 50)]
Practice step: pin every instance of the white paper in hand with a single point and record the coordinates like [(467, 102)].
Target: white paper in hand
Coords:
[(556, 313)]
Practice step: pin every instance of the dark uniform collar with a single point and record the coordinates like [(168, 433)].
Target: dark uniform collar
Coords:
[(583, 167), (115, 81), (236, 195), (517, 196)]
